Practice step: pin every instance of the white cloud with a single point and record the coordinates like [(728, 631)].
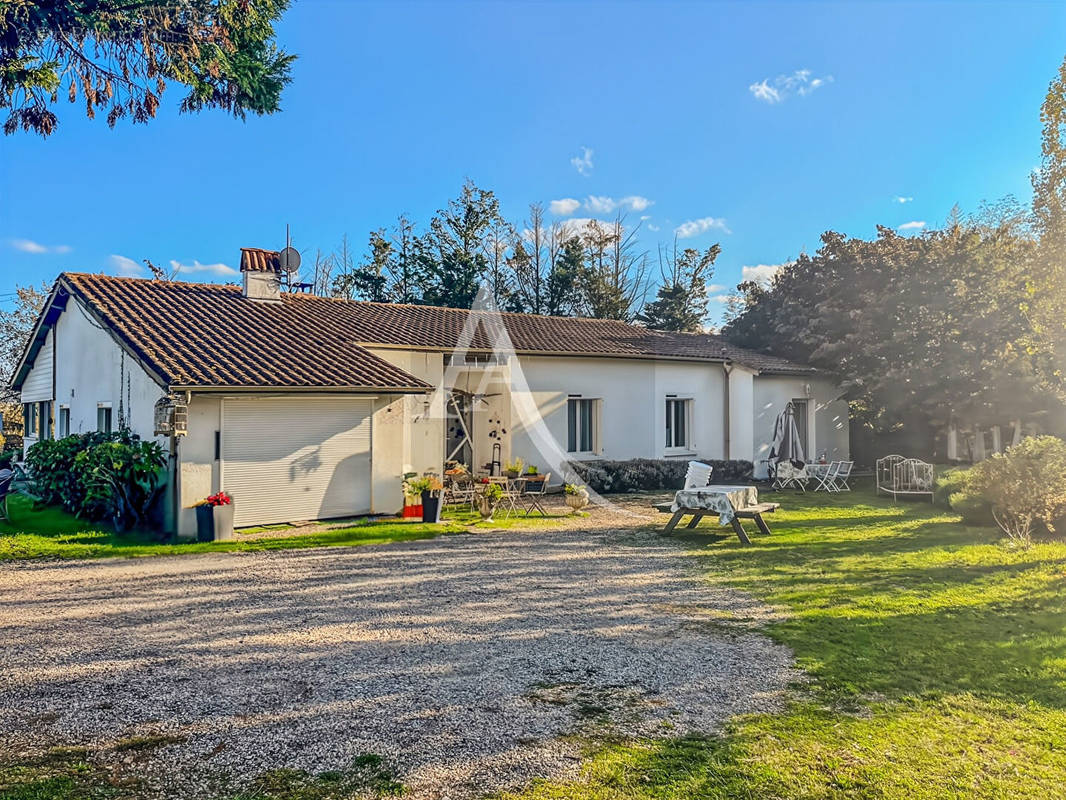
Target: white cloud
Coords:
[(776, 90), (220, 270), (653, 228), (901, 200), (720, 298), (576, 225), (564, 207), (126, 267), (914, 225), (694, 227), (30, 246), (583, 162), (761, 273), (599, 204), (715, 287)]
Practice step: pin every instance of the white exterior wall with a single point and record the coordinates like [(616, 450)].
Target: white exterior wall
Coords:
[(827, 417), (408, 431), (91, 368), (38, 383), (632, 408)]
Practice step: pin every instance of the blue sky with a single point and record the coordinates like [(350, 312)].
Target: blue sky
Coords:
[(756, 125)]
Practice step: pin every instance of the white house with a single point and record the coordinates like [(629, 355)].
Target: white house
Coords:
[(305, 407)]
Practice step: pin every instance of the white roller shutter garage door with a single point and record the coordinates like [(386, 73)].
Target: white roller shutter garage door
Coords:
[(286, 459)]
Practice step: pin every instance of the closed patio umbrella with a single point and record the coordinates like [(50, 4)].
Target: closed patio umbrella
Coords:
[(786, 443)]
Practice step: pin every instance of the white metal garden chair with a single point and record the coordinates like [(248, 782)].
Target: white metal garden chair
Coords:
[(840, 483), (787, 476), (827, 480)]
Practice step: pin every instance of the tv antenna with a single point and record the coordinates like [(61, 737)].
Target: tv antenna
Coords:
[(289, 260)]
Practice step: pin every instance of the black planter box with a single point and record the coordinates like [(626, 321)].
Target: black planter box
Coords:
[(431, 506)]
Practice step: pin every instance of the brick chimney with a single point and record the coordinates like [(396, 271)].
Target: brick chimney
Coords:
[(261, 274)]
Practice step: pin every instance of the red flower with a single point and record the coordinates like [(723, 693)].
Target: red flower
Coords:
[(220, 499)]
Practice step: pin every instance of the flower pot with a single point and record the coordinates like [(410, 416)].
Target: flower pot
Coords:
[(512, 473), (578, 500), (485, 507), (214, 523), (412, 512), (431, 507)]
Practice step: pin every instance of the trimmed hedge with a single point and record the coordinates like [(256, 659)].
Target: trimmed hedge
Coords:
[(641, 474)]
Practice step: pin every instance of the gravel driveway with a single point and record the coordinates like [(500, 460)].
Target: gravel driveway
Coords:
[(461, 660)]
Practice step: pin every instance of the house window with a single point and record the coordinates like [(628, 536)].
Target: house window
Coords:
[(103, 419), (582, 425), (29, 420), (63, 422), (678, 413), (44, 419)]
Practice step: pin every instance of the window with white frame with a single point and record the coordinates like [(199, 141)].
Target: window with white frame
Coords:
[(582, 424), (29, 420), (678, 422), (103, 418), (63, 422)]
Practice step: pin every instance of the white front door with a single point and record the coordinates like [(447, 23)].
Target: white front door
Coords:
[(288, 459)]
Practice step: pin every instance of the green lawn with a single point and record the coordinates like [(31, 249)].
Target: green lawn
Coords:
[(937, 656), (52, 533)]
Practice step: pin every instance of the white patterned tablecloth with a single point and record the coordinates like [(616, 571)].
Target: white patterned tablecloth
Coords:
[(720, 499)]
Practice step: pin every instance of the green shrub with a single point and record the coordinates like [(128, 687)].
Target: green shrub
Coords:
[(120, 481), (1025, 486), (647, 474), (954, 490), (99, 476)]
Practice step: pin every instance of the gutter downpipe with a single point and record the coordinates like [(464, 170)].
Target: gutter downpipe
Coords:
[(727, 368)]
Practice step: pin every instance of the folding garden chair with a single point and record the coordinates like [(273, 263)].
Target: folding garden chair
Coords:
[(787, 476), (840, 483), (828, 480), (535, 489)]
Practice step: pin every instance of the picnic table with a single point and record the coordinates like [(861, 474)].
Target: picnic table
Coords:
[(730, 503)]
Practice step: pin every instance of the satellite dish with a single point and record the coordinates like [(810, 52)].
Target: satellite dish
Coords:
[(289, 258)]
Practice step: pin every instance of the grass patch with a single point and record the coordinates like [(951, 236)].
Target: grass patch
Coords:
[(51, 533), (937, 653), (142, 743)]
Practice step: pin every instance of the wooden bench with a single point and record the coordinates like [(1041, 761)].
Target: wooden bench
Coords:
[(750, 512)]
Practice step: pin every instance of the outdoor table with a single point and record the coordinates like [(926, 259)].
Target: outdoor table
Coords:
[(730, 503)]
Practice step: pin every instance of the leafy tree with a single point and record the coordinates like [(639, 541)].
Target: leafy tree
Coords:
[(452, 258), (566, 270), (681, 302), (16, 326), (530, 264), (1045, 305), (915, 329), (612, 278), (499, 239), (404, 267), (369, 280), (120, 55)]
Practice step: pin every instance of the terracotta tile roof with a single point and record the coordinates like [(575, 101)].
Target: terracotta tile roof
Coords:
[(210, 335), (193, 334), (255, 260)]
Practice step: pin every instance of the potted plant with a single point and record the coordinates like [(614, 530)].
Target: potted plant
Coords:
[(429, 487), (533, 469), (513, 468), (576, 496), (214, 518), (412, 500), (487, 500)]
